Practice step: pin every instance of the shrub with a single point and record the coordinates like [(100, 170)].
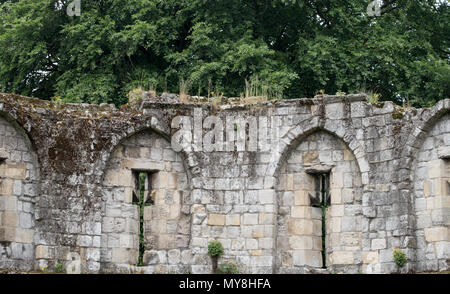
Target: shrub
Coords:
[(60, 268), (399, 257), (215, 249)]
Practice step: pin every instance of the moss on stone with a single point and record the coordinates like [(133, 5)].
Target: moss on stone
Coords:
[(378, 104), (397, 115)]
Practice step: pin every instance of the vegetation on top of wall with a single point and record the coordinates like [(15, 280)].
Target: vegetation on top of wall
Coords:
[(296, 48)]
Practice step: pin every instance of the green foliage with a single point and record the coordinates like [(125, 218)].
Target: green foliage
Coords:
[(59, 268), (142, 178), (228, 268), (215, 249), (399, 257), (294, 47), (373, 98)]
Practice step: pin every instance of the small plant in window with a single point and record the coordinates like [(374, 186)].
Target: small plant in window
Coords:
[(60, 268), (44, 268), (399, 257), (215, 250)]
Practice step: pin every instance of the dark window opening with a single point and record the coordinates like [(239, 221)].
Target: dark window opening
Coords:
[(321, 198), (142, 198)]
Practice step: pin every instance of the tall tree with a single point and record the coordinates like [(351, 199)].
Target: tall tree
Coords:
[(294, 47)]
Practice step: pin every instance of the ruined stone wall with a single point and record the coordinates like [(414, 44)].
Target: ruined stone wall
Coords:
[(299, 240), (19, 176), (431, 202), (166, 222), (387, 168)]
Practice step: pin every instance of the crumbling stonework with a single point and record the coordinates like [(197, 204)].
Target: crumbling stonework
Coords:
[(19, 176), (68, 174)]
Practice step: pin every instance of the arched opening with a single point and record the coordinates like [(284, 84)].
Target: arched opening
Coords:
[(319, 192), (146, 219), (19, 176), (432, 198)]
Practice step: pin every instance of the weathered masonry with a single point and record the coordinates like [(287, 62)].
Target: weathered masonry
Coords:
[(339, 185)]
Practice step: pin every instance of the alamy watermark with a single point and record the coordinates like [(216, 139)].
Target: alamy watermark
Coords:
[(235, 133), (74, 8), (374, 8)]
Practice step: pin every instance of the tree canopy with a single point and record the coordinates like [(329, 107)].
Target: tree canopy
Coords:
[(295, 47)]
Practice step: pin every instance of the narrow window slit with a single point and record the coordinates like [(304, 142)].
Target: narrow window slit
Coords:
[(142, 198), (321, 199)]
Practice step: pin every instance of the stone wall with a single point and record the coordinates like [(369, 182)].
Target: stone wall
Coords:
[(432, 206), (299, 239), (166, 222), (387, 169), (19, 176)]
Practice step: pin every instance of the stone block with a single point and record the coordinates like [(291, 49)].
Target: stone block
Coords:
[(342, 257), (250, 219), (160, 180), (336, 196), (6, 187), (316, 213), (347, 195), (166, 241), (310, 157), (233, 220), (9, 219), (174, 211), (266, 218), (300, 212), (337, 180), (266, 196), (24, 235), (301, 197), (121, 255), (301, 242), (172, 180), (13, 171), (436, 234), (441, 202), (42, 252), (260, 261), (10, 203), (334, 111), (378, 244), (125, 240), (337, 210), (25, 220), (251, 244), (8, 234), (335, 224), (442, 250), (216, 219), (317, 243), (258, 252), (174, 256), (307, 258), (258, 232), (348, 224), (434, 169), (369, 257), (426, 188), (299, 227)]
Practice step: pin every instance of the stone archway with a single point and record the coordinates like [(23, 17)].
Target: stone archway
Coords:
[(300, 241), (431, 183), (19, 175), (166, 222)]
